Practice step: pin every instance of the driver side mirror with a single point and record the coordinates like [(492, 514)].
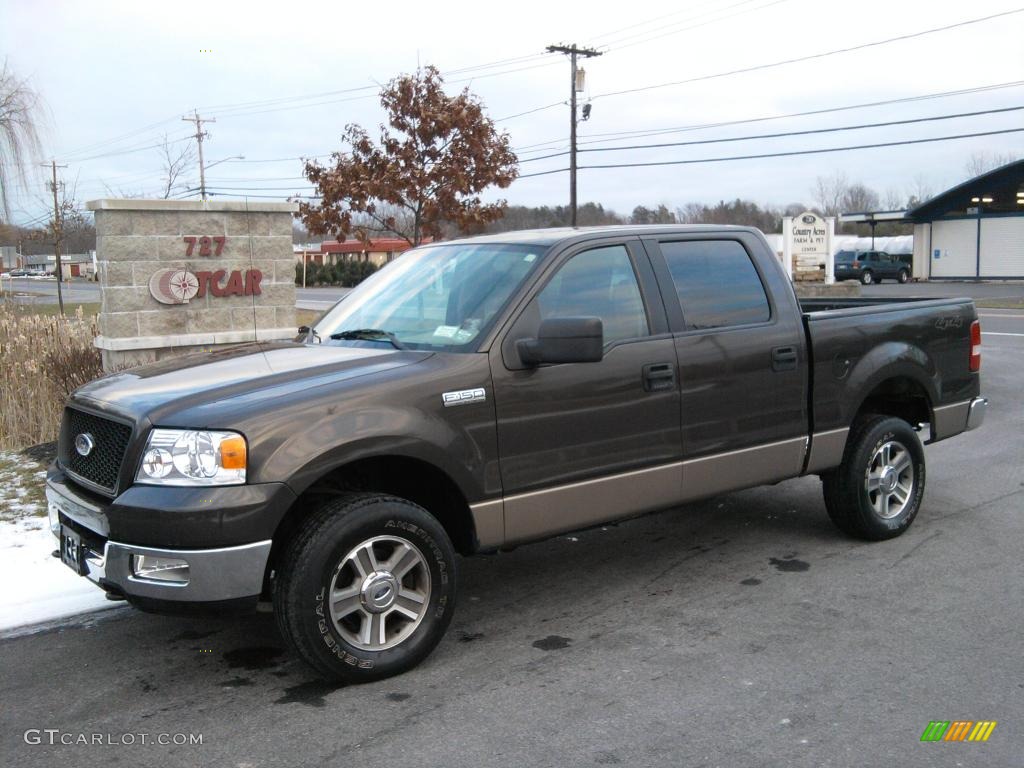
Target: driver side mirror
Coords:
[(564, 340)]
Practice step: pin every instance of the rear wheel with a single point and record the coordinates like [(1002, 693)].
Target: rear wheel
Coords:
[(866, 277), (366, 588), (876, 492)]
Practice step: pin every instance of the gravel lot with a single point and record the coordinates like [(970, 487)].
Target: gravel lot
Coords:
[(742, 631)]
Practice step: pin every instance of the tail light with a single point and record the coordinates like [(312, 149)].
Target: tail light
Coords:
[(976, 346), (856, 264)]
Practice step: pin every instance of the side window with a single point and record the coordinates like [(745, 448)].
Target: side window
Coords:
[(598, 283), (717, 283)]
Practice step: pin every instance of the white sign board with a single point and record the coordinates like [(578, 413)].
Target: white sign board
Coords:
[(810, 244)]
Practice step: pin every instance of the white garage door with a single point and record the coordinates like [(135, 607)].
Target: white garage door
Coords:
[(1002, 247), (954, 248)]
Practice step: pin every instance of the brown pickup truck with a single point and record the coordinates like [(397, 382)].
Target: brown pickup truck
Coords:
[(487, 392)]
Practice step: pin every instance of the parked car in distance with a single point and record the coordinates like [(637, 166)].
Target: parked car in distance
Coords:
[(872, 266)]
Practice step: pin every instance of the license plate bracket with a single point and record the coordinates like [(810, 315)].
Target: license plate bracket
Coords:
[(72, 553)]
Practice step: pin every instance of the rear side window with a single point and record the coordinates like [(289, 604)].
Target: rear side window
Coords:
[(717, 283), (598, 283)]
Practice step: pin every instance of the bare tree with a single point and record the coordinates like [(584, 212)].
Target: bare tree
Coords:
[(982, 162), (919, 191), (857, 198), (893, 199), (20, 145), (828, 192), (176, 163)]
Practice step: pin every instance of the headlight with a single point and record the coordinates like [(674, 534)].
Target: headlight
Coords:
[(193, 457)]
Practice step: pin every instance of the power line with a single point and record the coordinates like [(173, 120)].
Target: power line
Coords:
[(834, 129), (96, 145), (616, 135), (131, 150), (808, 113), (646, 37), (653, 21), (781, 63), (804, 151), (814, 56)]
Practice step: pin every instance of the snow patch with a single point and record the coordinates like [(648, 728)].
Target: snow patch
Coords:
[(38, 587)]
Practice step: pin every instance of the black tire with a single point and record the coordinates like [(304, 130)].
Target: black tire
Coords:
[(866, 277), (852, 506), (904, 276), (319, 559)]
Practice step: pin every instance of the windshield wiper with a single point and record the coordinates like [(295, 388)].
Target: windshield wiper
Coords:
[(369, 334)]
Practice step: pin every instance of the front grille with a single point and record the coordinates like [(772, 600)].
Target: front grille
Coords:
[(110, 441)]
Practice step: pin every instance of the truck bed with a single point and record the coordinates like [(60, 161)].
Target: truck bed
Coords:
[(854, 343)]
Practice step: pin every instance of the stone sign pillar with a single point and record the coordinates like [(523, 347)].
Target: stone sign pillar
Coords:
[(179, 276)]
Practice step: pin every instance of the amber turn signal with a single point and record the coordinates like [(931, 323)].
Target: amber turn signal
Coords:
[(232, 453)]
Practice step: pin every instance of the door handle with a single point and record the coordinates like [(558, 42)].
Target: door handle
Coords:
[(659, 376), (784, 359)]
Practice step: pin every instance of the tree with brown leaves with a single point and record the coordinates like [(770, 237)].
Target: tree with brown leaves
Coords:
[(436, 154)]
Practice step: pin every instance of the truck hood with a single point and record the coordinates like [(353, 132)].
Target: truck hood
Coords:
[(250, 372)]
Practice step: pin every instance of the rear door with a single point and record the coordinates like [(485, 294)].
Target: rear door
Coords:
[(582, 443), (740, 344)]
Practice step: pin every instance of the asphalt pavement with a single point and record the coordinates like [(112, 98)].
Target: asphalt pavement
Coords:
[(741, 631)]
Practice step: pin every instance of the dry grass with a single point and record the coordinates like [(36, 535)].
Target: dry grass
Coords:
[(1006, 303), (308, 316), (42, 358)]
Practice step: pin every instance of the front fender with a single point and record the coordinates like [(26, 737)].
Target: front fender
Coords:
[(334, 445)]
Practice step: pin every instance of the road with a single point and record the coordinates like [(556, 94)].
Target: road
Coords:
[(741, 631)]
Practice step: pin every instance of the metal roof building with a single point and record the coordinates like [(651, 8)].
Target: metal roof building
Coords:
[(973, 231)]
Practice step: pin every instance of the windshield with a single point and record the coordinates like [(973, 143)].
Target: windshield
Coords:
[(441, 297), (845, 257)]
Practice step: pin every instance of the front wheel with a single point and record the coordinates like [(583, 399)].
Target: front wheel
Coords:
[(866, 277), (876, 492), (366, 588), (904, 276)]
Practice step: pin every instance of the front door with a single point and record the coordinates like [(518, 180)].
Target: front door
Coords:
[(583, 443)]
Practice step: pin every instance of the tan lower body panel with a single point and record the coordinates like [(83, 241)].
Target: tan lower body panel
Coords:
[(949, 420), (827, 450), (734, 470), (537, 514), (489, 521)]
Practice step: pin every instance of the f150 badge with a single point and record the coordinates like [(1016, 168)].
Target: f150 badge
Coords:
[(464, 397)]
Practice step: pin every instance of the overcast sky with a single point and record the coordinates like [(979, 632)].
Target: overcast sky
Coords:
[(118, 76)]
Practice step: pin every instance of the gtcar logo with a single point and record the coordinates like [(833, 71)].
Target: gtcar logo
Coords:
[(463, 397)]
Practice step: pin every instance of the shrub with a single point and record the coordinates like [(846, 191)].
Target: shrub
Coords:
[(42, 359)]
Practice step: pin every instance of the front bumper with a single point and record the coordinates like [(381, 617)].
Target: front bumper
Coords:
[(227, 573)]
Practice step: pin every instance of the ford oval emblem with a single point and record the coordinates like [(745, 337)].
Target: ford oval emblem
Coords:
[(84, 444)]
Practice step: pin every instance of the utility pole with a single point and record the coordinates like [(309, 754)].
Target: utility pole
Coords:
[(200, 135), (573, 52), (58, 233)]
